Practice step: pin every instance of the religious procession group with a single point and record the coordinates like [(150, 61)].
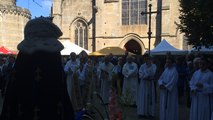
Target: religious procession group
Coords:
[(6, 65), (136, 83)]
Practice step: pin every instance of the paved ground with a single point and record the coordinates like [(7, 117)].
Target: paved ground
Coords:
[(131, 111)]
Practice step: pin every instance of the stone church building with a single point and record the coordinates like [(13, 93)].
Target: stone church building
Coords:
[(95, 24), (12, 22)]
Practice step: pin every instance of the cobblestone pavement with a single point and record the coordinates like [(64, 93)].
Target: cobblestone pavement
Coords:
[(131, 111)]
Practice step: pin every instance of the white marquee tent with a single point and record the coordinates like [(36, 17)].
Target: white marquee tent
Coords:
[(71, 47), (203, 50), (163, 47)]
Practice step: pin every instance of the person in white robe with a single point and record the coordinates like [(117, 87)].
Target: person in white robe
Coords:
[(81, 73), (212, 116), (168, 92), (129, 90), (118, 76), (86, 65), (146, 91), (70, 67), (105, 76), (211, 100), (201, 92)]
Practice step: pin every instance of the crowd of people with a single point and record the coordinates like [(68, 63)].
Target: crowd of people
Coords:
[(138, 79), (6, 65), (38, 86)]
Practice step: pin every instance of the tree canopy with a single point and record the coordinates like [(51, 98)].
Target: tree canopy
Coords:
[(196, 21)]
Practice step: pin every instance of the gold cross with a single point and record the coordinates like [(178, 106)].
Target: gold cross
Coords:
[(36, 111), (38, 76)]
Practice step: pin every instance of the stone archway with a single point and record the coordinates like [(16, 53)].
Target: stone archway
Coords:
[(133, 46), (132, 42)]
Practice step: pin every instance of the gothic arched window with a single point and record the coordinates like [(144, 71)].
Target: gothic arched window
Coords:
[(81, 34), (131, 12)]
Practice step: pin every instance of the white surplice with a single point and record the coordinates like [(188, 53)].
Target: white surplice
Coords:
[(212, 116), (130, 71), (105, 77), (201, 97), (70, 68), (146, 91), (211, 100), (169, 95)]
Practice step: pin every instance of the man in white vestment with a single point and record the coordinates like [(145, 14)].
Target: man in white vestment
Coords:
[(70, 67), (130, 71), (212, 116), (201, 91), (106, 76), (168, 92), (146, 90), (81, 73)]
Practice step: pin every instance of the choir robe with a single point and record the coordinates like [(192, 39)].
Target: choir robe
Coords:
[(69, 69), (106, 77), (211, 99), (118, 77), (81, 78), (130, 71), (146, 90), (212, 116), (201, 103), (169, 95), (73, 84), (86, 87)]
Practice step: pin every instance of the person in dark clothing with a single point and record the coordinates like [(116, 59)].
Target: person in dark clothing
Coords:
[(37, 88), (182, 76)]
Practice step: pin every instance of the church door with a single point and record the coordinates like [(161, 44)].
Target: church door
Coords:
[(133, 46)]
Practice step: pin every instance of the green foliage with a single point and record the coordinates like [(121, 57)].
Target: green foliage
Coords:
[(196, 17)]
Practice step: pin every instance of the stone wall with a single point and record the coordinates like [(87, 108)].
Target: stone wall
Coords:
[(12, 22), (8, 2), (109, 28)]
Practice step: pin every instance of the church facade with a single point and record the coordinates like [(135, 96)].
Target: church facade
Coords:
[(95, 24), (12, 22)]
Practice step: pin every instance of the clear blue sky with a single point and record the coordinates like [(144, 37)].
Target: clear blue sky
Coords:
[(36, 7)]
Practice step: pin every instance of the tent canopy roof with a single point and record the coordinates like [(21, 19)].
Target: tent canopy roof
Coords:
[(71, 47), (108, 50), (203, 50), (163, 47), (4, 50)]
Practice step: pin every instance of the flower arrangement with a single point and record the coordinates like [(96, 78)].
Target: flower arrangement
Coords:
[(114, 111), (118, 103)]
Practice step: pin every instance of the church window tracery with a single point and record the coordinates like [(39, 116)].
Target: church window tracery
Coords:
[(81, 34), (131, 12)]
